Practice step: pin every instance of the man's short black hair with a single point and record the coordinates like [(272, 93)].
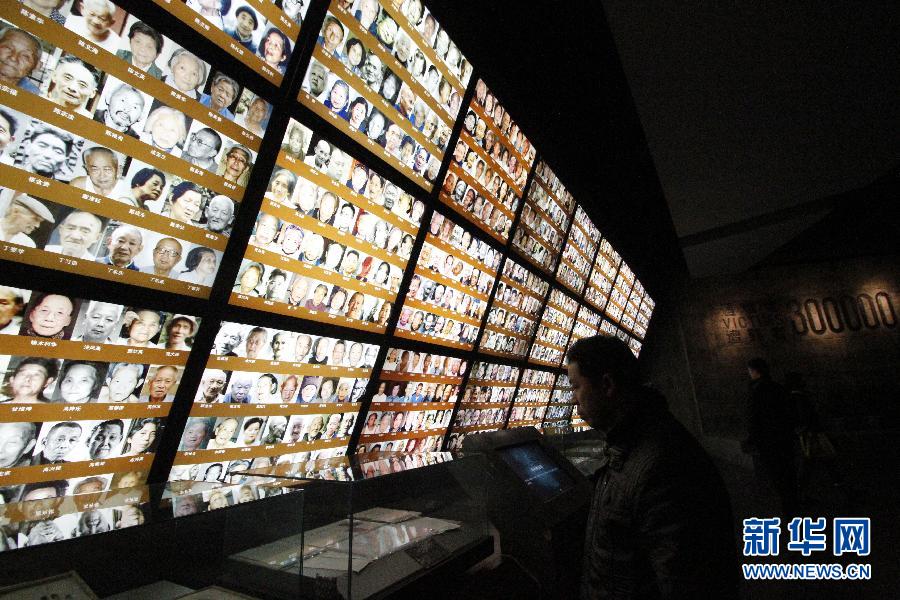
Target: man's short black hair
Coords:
[(759, 365), (601, 355)]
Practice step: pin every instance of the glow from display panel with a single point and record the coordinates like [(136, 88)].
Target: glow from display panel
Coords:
[(255, 32), (332, 238), (269, 396), (448, 293), (85, 391), (373, 76), (131, 177)]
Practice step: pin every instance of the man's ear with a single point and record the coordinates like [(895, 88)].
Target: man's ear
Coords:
[(609, 387)]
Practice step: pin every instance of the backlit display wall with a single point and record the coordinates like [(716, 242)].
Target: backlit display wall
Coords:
[(448, 294), (553, 333), (393, 80), (413, 403), (124, 160), (545, 220), (603, 275), (256, 32), (513, 317), (559, 410), (489, 166), (486, 401), (531, 399), (85, 390), (331, 240), (270, 395)]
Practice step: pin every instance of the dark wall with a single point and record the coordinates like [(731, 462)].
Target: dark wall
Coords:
[(834, 322)]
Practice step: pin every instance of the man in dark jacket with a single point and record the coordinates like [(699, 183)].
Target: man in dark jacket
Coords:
[(772, 419), (660, 524)]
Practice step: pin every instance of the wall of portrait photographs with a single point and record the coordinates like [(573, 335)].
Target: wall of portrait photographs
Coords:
[(559, 410), (332, 239), (363, 305), (259, 33), (413, 403), (271, 395), (85, 389), (392, 79), (545, 220), (489, 167), (486, 401), (126, 155)]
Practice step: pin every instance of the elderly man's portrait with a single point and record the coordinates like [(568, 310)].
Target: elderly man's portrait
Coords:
[(98, 321), (97, 21), (122, 108), (74, 85), (48, 151), (77, 234), (26, 220), (22, 54), (101, 170)]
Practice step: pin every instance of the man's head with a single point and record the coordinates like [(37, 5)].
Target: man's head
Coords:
[(212, 384), (74, 83), (16, 440), (322, 154), (45, 150), (20, 53), (100, 320), (195, 434), (24, 215), (124, 244), (602, 372), (758, 369), (144, 326), (166, 255), (98, 16), (51, 315), (228, 338), (237, 161), (124, 107), (105, 438), (317, 77), (123, 380), (161, 382), (219, 213), (241, 384), (102, 167), (31, 377), (203, 144), (245, 22), (61, 440), (78, 232)]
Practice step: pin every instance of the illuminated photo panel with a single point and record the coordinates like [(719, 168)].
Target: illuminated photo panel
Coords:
[(578, 256), (375, 76), (531, 399), (85, 390), (269, 396), (603, 275), (545, 219), (552, 338), (559, 410), (587, 324), (46, 514), (490, 165), (126, 170), (414, 401), (256, 32), (449, 291), (331, 240), (618, 298), (485, 402), (513, 317)]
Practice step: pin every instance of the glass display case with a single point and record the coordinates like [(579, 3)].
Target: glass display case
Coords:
[(371, 524)]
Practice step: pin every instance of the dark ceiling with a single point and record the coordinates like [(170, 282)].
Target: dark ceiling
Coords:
[(750, 112)]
